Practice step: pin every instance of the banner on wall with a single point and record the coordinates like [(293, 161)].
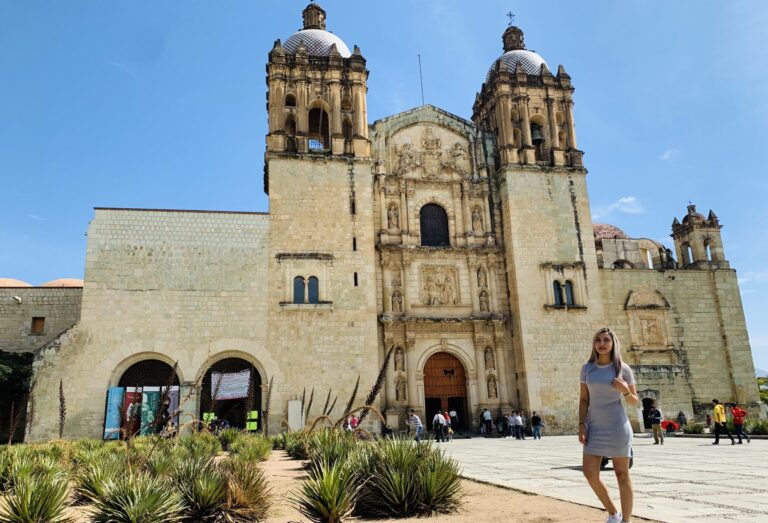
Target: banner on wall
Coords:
[(230, 385), (150, 399), (169, 411), (112, 417), (131, 415)]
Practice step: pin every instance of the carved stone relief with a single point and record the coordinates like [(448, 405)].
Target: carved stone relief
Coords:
[(493, 391), (432, 159), (397, 301), (407, 159), (439, 286), (650, 330), (482, 279), (399, 359), (400, 387), (485, 305), (458, 159), (393, 216), (477, 220)]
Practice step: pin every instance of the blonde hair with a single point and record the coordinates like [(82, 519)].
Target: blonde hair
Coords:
[(615, 350)]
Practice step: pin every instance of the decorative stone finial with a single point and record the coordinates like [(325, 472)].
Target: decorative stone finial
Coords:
[(513, 39), (314, 17), (691, 209)]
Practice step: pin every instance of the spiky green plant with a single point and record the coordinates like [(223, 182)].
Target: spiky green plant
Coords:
[(201, 445), (203, 487), (329, 494), (251, 448), (439, 484), (229, 436), (329, 447), (351, 401), (378, 385), (36, 501), (162, 462), (138, 499), (93, 479), (248, 496)]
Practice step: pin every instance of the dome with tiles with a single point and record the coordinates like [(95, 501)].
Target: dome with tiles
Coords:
[(606, 231), (315, 39), (11, 282), (515, 54)]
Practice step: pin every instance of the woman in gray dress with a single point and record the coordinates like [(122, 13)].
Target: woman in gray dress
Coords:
[(604, 428)]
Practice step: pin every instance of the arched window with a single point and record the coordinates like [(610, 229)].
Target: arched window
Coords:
[(687, 254), (708, 247), (298, 289), (148, 373), (434, 226), (313, 290), (290, 100), (569, 294), (557, 289), (319, 136)]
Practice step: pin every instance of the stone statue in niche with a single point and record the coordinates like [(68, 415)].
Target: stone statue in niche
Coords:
[(407, 159), (477, 220), (439, 286), (490, 360), (482, 279), (393, 217), (493, 391), (485, 305), (650, 330), (397, 302), (399, 359), (400, 389)]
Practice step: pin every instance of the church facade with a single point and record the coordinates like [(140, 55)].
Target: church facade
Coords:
[(464, 249)]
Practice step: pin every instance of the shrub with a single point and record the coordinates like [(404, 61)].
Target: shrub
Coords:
[(201, 445), (36, 501), (248, 495), (228, 436), (329, 446), (138, 499), (756, 426), (93, 479), (693, 428), (329, 493), (439, 484), (251, 448), (203, 488)]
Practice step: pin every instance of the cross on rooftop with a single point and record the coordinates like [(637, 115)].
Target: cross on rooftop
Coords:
[(511, 17)]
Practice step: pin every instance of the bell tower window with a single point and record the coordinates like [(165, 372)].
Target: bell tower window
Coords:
[(290, 100), (319, 137)]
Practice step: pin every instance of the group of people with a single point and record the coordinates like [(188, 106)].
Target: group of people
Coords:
[(721, 422), (442, 425), (350, 423)]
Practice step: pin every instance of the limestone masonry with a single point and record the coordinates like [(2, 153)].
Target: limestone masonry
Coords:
[(465, 247)]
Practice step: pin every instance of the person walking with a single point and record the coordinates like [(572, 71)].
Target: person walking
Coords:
[(738, 415), (721, 422), (415, 422), (604, 427), (454, 419), (487, 422), (536, 424), (655, 416), (519, 429), (438, 425), (448, 430)]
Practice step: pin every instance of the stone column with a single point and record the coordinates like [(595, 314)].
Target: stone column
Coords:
[(276, 103), (358, 94), (482, 383), (302, 111), (554, 139), (571, 124), (526, 123), (404, 223), (411, 360), (335, 109), (461, 204)]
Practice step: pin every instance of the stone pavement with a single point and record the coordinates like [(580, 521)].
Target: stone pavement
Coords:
[(683, 480)]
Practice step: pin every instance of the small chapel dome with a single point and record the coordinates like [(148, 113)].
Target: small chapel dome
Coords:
[(516, 54), (315, 39), (693, 216), (606, 231), (10, 282), (64, 282)]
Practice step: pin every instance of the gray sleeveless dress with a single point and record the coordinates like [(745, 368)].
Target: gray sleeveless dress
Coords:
[(609, 432)]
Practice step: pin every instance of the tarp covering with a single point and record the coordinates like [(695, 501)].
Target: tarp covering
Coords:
[(230, 385)]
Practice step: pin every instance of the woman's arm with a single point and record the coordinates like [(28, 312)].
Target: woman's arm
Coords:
[(583, 406)]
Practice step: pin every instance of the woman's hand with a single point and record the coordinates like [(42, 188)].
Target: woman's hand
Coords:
[(620, 385), (582, 434)]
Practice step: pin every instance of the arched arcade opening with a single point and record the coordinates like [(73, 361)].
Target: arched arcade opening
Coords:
[(231, 391), (445, 388)]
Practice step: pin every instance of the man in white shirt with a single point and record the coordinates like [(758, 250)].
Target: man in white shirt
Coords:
[(487, 421), (438, 425), (415, 422)]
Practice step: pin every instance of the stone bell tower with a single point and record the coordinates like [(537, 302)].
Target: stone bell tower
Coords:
[(546, 221), (697, 241), (317, 93)]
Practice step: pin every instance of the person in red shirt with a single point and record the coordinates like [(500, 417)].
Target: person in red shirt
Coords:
[(738, 421)]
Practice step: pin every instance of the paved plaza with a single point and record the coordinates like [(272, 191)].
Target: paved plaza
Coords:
[(683, 480)]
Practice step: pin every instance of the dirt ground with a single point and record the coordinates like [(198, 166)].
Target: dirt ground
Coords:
[(481, 502)]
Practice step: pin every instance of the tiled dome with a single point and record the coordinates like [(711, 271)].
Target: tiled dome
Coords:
[(317, 43), (530, 61), (10, 282), (606, 231), (64, 282)]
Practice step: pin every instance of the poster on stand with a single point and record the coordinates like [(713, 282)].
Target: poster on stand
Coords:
[(150, 399), (131, 418), (114, 412), (171, 409)]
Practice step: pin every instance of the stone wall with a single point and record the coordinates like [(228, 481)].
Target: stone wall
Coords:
[(169, 285), (60, 306)]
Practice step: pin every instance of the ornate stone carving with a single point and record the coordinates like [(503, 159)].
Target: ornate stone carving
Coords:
[(407, 159), (650, 330), (400, 388), (482, 279), (458, 159), (645, 298), (393, 216), (493, 390), (439, 286), (431, 156), (397, 301), (490, 359), (477, 220), (485, 304), (399, 359)]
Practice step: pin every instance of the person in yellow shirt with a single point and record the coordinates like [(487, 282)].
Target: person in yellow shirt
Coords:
[(721, 422)]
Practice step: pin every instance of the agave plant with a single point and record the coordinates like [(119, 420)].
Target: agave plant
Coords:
[(251, 448), (330, 446), (201, 445), (138, 499), (229, 436), (203, 487), (248, 496), (36, 501), (329, 494), (93, 479), (439, 484)]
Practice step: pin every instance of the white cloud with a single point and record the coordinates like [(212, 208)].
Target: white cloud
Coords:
[(759, 277), (34, 217), (625, 204), (669, 154)]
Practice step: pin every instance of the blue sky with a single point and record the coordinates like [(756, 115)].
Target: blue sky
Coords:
[(162, 104)]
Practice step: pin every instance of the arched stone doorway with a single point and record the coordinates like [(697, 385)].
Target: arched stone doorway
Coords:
[(445, 387), (231, 390)]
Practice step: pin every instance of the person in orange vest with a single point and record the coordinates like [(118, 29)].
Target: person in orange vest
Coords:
[(738, 421), (721, 423)]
